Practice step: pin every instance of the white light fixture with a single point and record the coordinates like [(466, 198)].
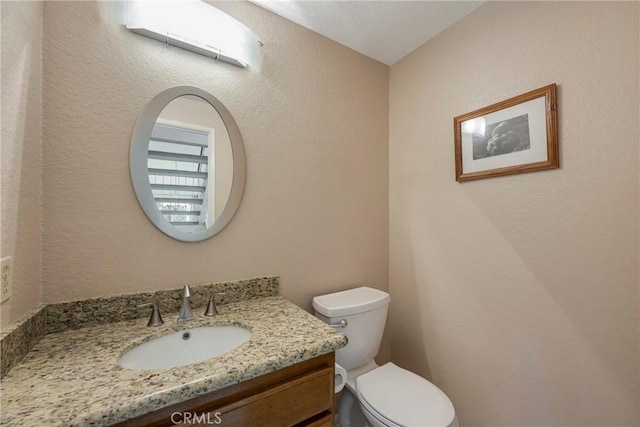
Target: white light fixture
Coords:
[(192, 25)]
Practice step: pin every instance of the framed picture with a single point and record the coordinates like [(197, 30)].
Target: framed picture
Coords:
[(517, 135)]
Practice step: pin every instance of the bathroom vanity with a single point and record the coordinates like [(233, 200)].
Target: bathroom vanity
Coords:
[(283, 375), (300, 395)]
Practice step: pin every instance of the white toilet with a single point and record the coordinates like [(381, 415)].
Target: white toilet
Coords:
[(387, 395)]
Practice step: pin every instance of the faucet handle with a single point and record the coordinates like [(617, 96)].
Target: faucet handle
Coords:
[(155, 319), (212, 310)]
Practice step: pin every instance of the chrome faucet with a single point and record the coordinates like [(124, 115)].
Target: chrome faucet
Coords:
[(185, 309)]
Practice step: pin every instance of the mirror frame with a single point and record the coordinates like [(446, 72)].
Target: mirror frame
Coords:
[(139, 169)]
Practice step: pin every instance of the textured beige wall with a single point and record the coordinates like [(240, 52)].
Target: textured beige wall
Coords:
[(519, 295), (21, 117), (315, 126)]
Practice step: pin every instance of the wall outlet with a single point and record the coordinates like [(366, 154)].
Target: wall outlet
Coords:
[(6, 278)]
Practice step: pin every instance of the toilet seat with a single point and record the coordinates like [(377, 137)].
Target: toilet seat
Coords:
[(399, 398)]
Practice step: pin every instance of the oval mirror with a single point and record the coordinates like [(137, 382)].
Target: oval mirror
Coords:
[(187, 163)]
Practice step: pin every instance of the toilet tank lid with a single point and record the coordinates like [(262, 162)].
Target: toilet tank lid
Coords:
[(352, 301)]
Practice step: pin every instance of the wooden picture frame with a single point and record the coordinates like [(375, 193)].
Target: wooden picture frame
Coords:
[(517, 135)]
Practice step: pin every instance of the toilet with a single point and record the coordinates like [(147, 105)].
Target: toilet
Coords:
[(387, 395)]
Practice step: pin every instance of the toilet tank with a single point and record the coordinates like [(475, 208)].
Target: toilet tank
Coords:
[(365, 310)]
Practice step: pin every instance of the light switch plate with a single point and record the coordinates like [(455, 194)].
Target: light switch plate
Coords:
[(6, 278)]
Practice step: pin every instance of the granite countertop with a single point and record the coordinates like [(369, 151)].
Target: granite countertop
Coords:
[(71, 377)]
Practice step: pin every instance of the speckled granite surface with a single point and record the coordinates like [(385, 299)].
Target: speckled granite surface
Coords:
[(17, 340), (71, 378), (21, 336), (98, 311)]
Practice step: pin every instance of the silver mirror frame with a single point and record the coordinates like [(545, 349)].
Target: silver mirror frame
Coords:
[(139, 169)]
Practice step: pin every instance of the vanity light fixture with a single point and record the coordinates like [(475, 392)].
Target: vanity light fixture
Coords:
[(195, 26)]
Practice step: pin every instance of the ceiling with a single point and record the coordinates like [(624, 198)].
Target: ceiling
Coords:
[(383, 30)]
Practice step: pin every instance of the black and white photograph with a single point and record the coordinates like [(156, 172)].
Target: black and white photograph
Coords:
[(503, 137), (513, 136)]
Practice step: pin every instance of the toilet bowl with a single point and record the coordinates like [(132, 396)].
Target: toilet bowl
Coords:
[(378, 396), (392, 397)]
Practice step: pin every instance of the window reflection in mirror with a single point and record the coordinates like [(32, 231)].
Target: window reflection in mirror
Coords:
[(190, 163), (187, 163)]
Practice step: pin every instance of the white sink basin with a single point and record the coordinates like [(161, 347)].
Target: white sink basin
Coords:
[(184, 347)]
